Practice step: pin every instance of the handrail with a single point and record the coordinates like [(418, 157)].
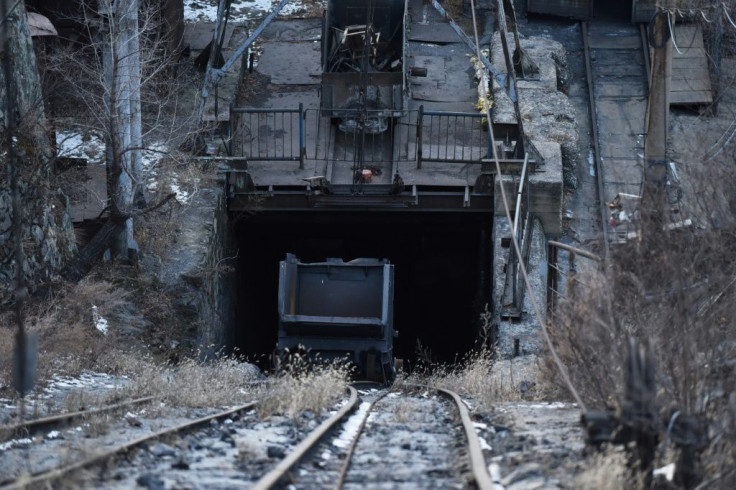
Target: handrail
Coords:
[(575, 250)]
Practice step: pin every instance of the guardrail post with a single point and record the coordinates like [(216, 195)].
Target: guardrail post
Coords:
[(302, 147), (420, 117)]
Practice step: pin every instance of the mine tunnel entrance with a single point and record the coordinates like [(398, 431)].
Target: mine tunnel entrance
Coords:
[(442, 272)]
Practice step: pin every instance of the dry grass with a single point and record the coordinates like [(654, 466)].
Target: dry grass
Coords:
[(68, 341), (299, 388), (191, 383), (480, 376), (676, 294), (606, 470), (403, 411)]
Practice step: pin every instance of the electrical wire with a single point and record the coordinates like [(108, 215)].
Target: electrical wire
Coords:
[(517, 248), (672, 33), (701, 11), (725, 11)]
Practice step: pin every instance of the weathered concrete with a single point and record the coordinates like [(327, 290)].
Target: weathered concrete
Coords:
[(545, 200), (546, 114)]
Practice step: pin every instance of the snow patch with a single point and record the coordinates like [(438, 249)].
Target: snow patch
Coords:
[(240, 10), (484, 444), (668, 471), (73, 144), (99, 320), (351, 427), (15, 443)]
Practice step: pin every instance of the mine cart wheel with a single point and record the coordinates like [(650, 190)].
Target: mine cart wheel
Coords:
[(370, 367), (389, 372)]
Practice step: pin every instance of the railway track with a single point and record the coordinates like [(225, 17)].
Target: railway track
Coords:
[(29, 427), (394, 439), (99, 457), (423, 438), (616, 61)]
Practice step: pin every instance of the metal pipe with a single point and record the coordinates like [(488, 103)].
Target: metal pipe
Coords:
[(596, 145), (517, 214), (500, 77), (575, 250), (218, 73)]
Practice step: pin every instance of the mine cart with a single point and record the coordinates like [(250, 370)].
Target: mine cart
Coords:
[(339, 310)]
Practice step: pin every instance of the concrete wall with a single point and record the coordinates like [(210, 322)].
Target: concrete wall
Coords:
[(199, 272)]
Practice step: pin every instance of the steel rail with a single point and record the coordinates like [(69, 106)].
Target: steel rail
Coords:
[(477, 462), (596, 145), (66, 417), (51, 475), (354, 443), (270, 479)]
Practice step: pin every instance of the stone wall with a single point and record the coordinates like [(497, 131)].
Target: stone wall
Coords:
[(48, 236)]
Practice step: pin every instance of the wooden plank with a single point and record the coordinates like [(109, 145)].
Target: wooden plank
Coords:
[(688, 36), (689, 54), (691, 98), (621, 90), (692, 84), (613, 41)]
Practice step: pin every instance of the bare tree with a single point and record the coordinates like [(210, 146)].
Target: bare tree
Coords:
[(123, 87)]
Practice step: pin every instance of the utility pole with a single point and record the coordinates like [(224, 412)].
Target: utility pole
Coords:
[(652, 207), (121, 59)]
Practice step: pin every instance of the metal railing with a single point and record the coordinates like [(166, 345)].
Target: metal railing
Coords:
[(416, 136), (269, 134), (455, 137), (521, 230)]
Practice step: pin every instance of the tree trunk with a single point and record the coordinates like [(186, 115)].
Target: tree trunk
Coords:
[(122, 71)]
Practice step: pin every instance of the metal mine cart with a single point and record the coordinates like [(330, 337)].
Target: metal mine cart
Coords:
[(339, 310)]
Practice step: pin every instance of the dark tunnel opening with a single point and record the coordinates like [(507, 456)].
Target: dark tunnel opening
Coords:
[(442, 264)]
